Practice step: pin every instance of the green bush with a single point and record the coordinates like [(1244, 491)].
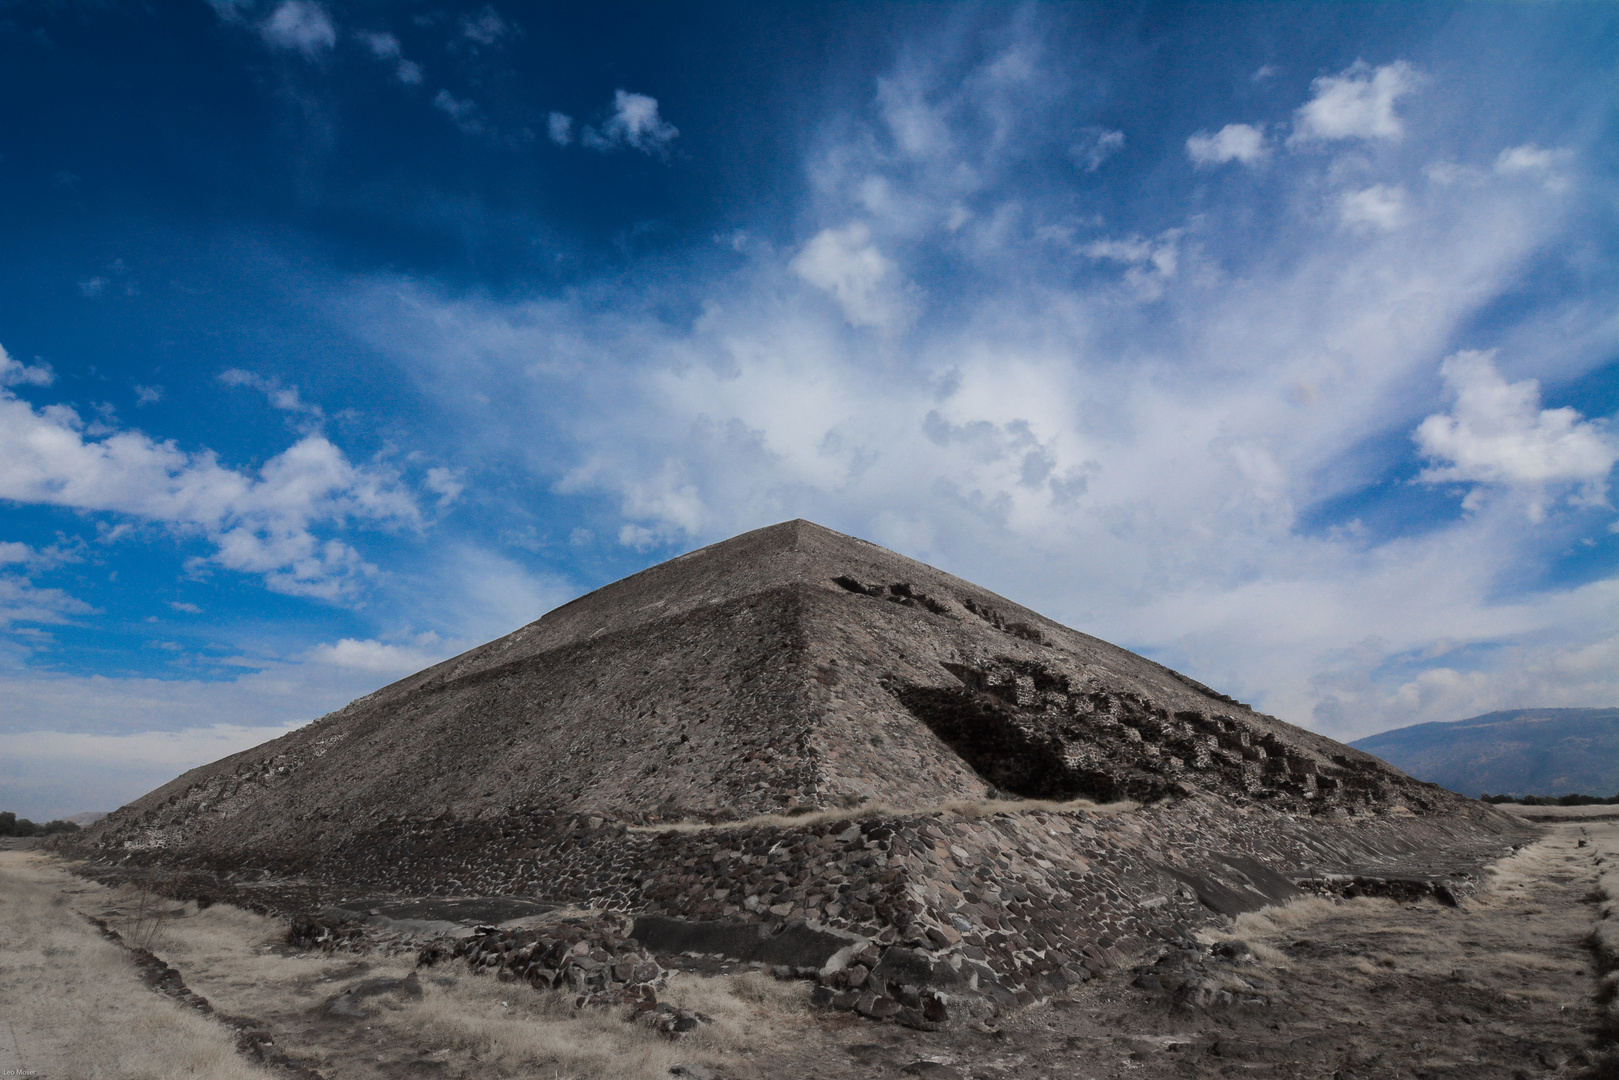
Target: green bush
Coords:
[(12, 825)]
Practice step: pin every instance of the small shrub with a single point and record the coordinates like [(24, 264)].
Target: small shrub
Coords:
[(12, 825)]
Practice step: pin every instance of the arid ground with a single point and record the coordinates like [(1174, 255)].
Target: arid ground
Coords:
[(1507, 985)]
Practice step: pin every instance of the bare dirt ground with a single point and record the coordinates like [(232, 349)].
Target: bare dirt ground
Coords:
[(1505, 986)]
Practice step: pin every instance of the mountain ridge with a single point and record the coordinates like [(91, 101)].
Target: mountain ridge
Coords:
[(1551, 751)]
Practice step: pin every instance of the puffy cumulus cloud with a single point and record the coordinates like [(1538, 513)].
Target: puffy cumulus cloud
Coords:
[(1380, 208), (866, 284), (1357, 103), (301, 25), (635, 123), (1497, 433), (1234, 142), (265, 524)]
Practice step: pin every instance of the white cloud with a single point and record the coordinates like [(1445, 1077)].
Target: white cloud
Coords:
[(93, 287), (13, 372), (445, 483), (559, 126), (264, 524), (70, 743), (280, 396), (464, 111), (383, 46), (58, 773), (1550, 167), (1234, 142), (302, 25), (148, 395), (865, 283), (185, 608), (485, 28), (1497, 433), (22, 602), (1150, 262), (635, 123), (1154, 474), (376, 657), (1357, 103), (1378, 207), (1097, 145)]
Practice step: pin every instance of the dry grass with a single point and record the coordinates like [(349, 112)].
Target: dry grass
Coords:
[(73, 1001), (1561, 813), (513, 1031), (1403, 934), (969, 808)]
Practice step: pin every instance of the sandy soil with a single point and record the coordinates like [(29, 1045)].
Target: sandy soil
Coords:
[(1503, 987)]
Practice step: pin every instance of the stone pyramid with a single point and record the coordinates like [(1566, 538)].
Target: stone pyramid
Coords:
[(795, 730), (787, 669)]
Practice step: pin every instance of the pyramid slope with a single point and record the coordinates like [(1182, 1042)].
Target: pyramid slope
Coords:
[(787, 668)]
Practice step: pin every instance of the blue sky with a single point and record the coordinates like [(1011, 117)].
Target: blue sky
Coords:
[(1276, 342)]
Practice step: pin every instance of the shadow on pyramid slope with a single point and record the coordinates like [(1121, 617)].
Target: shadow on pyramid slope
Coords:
[(904, 715)]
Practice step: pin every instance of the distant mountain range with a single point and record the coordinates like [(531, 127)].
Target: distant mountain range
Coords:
[(1518, 752)]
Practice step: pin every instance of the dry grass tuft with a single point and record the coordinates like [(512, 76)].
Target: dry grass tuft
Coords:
[(512, 1030)]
